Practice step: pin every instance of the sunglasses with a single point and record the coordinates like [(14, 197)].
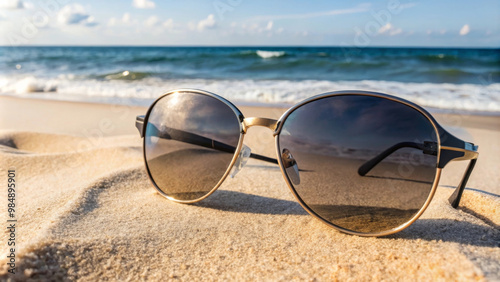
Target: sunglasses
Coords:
[(364, 163)]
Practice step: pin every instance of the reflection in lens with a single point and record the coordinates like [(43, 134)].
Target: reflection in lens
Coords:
[(331, 138), (190, 140)]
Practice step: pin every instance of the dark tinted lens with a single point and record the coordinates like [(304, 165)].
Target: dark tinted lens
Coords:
[(328, 144), (190, 141)]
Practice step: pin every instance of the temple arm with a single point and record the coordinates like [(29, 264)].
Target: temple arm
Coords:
[(429, 148), (448, 153), (457, 195), (469, 152), (191, 138)]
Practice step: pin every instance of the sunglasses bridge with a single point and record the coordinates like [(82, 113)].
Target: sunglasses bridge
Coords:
[(289, 163), (258, 121), (245, 152)]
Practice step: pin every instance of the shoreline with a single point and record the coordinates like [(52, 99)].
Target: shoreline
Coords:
[(445, 98), (482, 120), (144, 102)]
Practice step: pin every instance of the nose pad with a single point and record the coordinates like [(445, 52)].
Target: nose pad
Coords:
[(291, 168), (243, 157)]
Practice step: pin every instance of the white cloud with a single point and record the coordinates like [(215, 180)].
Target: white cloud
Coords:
[(389, 29), (152, 24), (112, 22), (255, 28), (156, 25), (91, 21), (152, 21), (11, 4), (465, 30), (207, 23), (28, 5), (126, 18), (143, 4), (168, 24), (385, 28), (74, 14), (358, 9), (269, 25)]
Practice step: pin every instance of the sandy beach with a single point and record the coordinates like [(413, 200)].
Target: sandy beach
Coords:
[(87, 210)]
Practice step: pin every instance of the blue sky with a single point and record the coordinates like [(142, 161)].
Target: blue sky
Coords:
[(460, 23)]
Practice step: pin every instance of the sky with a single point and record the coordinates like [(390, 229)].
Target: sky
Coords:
[(446, 23)]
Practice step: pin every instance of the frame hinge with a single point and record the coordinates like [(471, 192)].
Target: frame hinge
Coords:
[(430, 148)]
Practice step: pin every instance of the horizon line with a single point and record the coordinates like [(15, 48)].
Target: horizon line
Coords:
[(265, 46)]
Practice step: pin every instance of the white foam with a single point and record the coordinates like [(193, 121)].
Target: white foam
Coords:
[(270, 54), (28, 84), (453, 97)]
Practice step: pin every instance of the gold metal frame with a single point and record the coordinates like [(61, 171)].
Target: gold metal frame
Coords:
[(238, 115), (256, 121), (360, 93), (468, 154), (276, 126)]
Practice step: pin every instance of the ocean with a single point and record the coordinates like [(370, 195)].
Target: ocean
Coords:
[(440, 79)]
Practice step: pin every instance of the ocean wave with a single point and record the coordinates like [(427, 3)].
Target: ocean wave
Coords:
[(152, 59), (360, 64), (448, 72), (29, 84), (445, 96), (264, 54), (270, 54), (245, 53), (282, 69), (433, 58), (461, 66), (124, 75)]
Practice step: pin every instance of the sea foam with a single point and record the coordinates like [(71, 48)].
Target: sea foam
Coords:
[(270, 54), (451, 97)]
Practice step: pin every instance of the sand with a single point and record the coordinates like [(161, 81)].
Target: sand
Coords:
[(87, 211)]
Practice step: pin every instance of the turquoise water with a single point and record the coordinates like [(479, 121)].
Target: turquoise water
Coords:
[(463, 79)]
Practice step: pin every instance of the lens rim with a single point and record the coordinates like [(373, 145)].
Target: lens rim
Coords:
[(238, 115), (437, 176)]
